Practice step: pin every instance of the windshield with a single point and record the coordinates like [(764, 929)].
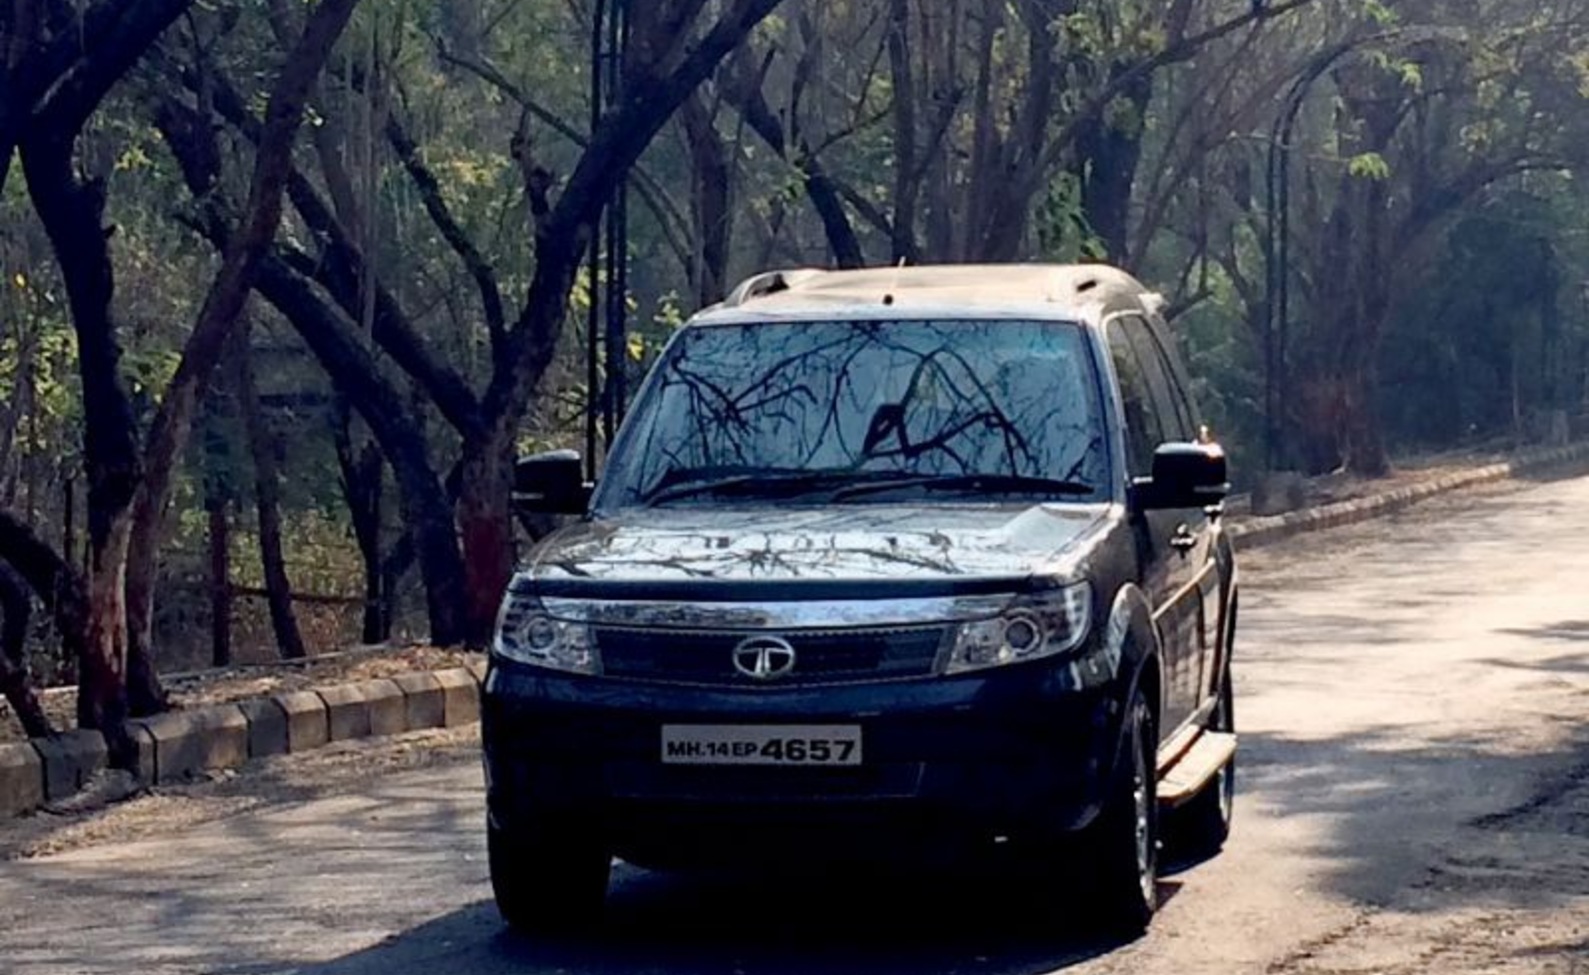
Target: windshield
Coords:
[(803, 410)]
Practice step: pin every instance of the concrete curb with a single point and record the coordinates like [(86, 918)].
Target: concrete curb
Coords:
[(173, 747), (1258, 532), (178, 745)]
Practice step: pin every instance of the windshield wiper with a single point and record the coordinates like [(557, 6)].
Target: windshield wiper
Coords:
[(770, 482), (989, 483)]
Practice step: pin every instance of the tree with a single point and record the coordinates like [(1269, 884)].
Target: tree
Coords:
[(670, 56), (70, 64), (1425, 121), (217, 321), (127, 491)]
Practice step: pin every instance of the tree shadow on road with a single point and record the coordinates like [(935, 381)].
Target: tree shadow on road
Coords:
[(1461, 820), (743, 925)]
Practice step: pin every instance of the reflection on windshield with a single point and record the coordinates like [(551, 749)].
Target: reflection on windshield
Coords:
[(777, 409)]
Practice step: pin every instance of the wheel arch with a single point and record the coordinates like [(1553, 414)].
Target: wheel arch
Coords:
[(1132, 640)]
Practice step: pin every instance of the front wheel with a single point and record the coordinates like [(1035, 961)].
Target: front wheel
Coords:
[(548, 877), (1124, 841)]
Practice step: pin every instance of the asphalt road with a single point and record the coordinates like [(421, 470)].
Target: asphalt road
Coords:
[(1414, 797)]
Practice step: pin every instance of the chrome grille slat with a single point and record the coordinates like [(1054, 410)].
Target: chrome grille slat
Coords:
[(824, 656)]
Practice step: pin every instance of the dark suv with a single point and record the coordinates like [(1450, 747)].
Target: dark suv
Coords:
[(921, 560)]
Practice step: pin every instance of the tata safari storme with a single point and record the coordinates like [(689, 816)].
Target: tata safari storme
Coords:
[(918, 560)]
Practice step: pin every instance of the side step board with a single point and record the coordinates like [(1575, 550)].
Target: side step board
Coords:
[(1195, 767)]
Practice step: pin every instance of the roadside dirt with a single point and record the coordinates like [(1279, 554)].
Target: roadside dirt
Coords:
[(255, 680), (163, 810)]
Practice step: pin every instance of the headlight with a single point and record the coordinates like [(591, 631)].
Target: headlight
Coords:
[(1030, 628), (526, 633)]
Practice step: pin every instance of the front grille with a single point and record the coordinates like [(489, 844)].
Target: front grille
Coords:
[(821, 656)]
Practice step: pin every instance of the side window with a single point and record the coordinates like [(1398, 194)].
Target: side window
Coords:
[(1179, 380), (1144, 427), (1168, 402)]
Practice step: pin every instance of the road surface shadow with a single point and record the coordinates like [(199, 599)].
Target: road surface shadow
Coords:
[(1400, 814), (741, 925)]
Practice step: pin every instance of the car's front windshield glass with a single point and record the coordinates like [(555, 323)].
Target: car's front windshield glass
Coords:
[(866, 412)]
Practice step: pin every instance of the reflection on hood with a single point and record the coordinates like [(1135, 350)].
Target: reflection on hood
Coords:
[(860, 542)]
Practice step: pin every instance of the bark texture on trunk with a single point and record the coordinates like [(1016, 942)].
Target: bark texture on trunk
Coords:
[(487, 534), (362, 481), (710, 187), (262, 445), (72, 212), (53, 580), (1108, 151), (907, 181), (16, 605), (102, 694), (217, 507)]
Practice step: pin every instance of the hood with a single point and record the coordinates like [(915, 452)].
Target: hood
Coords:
[(939, 546)]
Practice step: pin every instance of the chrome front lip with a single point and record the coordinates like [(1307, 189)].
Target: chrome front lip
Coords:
[(829, 614)]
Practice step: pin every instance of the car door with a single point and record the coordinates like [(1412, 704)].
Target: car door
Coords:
[(1166, 566), (1176, 543), (1207, 527)]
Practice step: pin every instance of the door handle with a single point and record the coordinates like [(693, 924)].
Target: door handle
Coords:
[(1183, 540)]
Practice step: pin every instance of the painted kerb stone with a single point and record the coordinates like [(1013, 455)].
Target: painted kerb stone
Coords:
[(347, 711), (186, 742), (307, 726), (21, 779), (423, 701)]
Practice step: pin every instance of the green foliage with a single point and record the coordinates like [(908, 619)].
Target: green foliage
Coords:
[(1064, 233), (1368, 165)]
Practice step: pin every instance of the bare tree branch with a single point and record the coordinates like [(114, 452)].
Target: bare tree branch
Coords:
[(451, 231)]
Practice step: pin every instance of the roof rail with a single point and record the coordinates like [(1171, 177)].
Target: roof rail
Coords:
[(769, 283)]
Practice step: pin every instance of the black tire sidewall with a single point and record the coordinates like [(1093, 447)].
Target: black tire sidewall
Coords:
[(548, 876), (1126, 903)]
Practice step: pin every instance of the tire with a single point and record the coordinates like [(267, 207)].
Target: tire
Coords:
[(548, 877), (1124, 840), (1203, 824)]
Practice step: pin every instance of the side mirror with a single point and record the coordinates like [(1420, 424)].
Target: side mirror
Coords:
[(1185, 475), (552, 483)]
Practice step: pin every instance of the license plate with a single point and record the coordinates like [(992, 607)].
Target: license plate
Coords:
[(788, 745)]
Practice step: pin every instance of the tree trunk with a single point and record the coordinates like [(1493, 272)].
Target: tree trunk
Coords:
[(15, 682), (426, 508), (1108, 151), (53, 580), (218, 507), (362, 476), (907, 173), (223, 305), (339, 348), (1365, 441), (710, 188), (267, 503), (485, 524), (836, 225), (102, 692), (1366, 455), (72, 214)]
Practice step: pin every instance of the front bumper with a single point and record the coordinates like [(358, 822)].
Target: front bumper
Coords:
[(1014, 751)]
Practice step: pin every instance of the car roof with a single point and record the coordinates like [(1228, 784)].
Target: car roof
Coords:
[(1042, 291)]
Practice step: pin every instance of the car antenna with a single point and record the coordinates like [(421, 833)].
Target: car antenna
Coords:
[(888, 297)]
